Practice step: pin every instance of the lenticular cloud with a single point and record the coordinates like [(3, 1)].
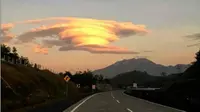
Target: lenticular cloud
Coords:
[(67, 33)]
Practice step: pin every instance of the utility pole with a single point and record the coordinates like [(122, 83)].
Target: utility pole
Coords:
[(66, 91)]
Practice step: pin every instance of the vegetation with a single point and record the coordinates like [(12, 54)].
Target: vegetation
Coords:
[(9, 54), (25, 84), (128, 78), (85, 79)]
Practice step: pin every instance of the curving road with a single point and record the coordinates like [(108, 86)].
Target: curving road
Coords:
[(117, 101)]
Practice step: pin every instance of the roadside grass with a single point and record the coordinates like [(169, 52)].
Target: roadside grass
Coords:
[(30, 86)]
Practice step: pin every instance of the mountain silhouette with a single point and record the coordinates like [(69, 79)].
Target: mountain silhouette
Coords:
[(140, 64)]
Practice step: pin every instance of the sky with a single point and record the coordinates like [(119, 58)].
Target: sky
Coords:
[(92, 34)]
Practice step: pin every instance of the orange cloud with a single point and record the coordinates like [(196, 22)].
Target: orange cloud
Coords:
[(90, 35), (6, 27), (6, 35), (39, 49)]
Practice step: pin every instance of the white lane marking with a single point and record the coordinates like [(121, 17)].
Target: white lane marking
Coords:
[(82, 103), (129, 110), (114, 98), (117, 101), (112, 95), (155, 103)]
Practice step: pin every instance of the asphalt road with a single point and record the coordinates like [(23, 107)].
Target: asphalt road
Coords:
[(117, 101)]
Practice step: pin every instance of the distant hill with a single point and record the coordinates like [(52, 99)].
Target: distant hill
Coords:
[(129, 78), (140, 64)]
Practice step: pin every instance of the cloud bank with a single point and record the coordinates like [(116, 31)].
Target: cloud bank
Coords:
[(68, 33), (196, 37)]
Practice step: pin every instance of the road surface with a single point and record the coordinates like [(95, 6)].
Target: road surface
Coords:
[(117, 101)]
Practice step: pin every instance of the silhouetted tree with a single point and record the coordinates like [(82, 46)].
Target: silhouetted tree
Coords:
[(5, 51), (67, 73), (198, 58), (14, 55), (85, 79), (24, 60), (61, 74), (14, 51), (31, 64), (98, 78), (37, 66)]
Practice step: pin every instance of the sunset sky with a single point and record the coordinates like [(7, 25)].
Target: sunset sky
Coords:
[(91, 34)]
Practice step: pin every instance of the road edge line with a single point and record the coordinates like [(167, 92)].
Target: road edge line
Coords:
[(76, 107), (129, 110), (112, 95), (117, 101)]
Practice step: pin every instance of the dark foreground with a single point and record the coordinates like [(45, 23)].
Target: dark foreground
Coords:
[(117, 101), (56, 106), (180, 100), (51, 106)]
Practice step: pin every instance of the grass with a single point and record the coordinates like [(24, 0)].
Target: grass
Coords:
[(31, 86)]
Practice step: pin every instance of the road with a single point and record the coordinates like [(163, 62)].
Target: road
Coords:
[(117, 101)]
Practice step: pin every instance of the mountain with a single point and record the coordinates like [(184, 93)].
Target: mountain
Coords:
[(140, 64)]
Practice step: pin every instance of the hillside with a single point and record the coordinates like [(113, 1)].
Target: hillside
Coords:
[(141, 64), (129, 78), (24, 86), (28, 87)]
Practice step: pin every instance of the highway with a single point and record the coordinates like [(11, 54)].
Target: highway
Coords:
[(117, 101)]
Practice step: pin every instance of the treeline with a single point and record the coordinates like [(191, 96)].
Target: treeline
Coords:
[(84, 80), (11, 55), (26, 84)]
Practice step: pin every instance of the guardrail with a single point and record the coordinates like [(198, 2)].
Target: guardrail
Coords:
[(165, 98)]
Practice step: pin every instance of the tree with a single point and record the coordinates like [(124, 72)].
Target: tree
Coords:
[(31, 64), (35, 66), (14, 55), (67, 73), (98, 78), (85, 79), (14, 51), (61, 74), (21, 60), (38, 66), (27, 63), (24, 60), (5, 51), (198, 58)]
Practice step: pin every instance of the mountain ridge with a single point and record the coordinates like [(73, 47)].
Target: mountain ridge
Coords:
[(140, 64)]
